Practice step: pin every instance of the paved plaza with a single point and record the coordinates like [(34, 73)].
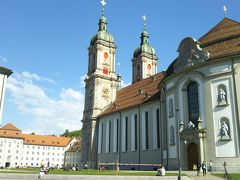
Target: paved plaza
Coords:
[(7, 176)]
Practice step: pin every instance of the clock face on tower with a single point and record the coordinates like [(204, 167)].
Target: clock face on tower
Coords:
[(105, 56)]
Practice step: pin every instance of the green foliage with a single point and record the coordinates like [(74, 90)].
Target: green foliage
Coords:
[(77, 133), (109, 172)]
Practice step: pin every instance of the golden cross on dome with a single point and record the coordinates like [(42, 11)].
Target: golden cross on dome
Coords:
[(225, 10), (103, 2), (144, 21)]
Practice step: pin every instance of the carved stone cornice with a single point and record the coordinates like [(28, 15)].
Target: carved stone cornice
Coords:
[(190, 53)]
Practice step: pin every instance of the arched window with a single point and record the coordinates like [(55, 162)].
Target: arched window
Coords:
[(193, 104)]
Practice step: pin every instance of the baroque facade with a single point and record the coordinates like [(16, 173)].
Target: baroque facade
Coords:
[(190, 111)]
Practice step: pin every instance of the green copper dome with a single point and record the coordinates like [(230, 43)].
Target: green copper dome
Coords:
[(144, 46), (102, 33)]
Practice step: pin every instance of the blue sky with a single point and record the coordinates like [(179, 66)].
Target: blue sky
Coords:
[(45, 43)]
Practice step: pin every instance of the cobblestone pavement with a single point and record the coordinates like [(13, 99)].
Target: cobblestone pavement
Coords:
[(193, 175)]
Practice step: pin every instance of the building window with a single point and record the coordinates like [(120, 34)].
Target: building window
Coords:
[(118, 121), (193, 104), (158, 128), (134, 132), (9, 151), (100, 140), (146, 130), (135, 119), (109, 136), (126, 136)]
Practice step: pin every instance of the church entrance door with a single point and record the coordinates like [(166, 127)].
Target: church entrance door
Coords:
[(192, 155)]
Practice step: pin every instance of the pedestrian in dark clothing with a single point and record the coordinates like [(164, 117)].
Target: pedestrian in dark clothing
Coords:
[(204, 167), (226, 175), (198, 169)]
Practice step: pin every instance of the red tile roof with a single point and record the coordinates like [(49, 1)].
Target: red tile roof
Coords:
[(75, 147), (221, 41), (136, 94), (10, 126), (10, 131)]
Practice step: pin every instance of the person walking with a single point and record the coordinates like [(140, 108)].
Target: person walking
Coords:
[(198, 169), (226, 175), (204, 168), (210, 166)]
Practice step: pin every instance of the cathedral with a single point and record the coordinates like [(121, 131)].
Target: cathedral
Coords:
[(187, 114)]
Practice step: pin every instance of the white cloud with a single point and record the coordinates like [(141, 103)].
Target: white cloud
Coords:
[(49, 115), (29, 76), (3, 59)]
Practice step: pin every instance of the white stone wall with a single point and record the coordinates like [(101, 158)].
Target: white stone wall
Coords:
[(11, 151)]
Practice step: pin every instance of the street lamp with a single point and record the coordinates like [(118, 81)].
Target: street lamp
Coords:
[(179, 129)]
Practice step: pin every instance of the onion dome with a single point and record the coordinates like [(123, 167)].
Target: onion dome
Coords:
[(144, 48), (102, 34)]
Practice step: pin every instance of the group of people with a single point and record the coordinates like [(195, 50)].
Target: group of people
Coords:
[(204, 168)]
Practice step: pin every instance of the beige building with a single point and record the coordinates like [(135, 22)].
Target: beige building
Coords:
[(188, 112), (73, 156)]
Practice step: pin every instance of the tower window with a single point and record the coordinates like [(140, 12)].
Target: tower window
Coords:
[(105, 71), (105, 55), (149, 67)]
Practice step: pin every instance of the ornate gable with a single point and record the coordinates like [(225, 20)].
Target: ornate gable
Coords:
[(190, 53)]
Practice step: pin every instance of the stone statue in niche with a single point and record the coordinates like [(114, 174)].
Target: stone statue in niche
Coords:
[(191, 125), (222, 97), (170, 114), (225, 133)]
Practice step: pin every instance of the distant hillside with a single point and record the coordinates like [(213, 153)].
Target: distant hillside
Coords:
[(77, 133)]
